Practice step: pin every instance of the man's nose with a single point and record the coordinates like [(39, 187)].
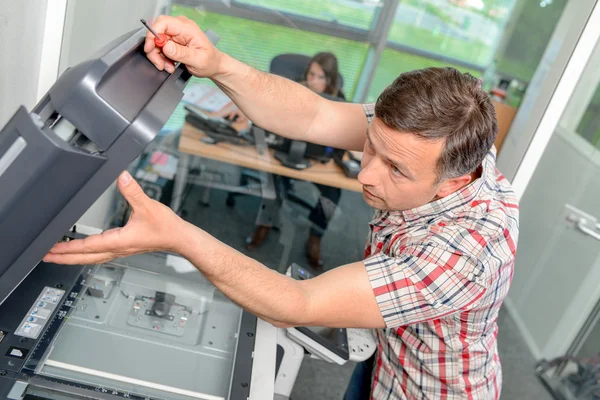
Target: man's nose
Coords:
[(370, 170)]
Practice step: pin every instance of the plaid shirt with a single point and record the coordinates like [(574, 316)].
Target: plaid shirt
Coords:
[(440, 273)]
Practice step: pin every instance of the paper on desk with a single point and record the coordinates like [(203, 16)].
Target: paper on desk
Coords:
[(146, 176), (161, 165), (159, 158), (207, 97), (193, 93), (167, 167), (180, 264)]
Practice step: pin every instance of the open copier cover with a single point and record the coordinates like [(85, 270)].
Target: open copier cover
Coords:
[(145, 327), (57, 160)]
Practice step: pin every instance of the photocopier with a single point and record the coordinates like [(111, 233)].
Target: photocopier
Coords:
[(145, 327)]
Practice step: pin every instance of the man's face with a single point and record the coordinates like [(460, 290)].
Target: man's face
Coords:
[(399, 170)]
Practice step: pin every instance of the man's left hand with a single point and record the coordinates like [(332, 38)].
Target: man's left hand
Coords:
[(152, 226)]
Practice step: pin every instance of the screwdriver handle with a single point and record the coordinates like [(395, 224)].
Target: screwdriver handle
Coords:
[(161, 40)]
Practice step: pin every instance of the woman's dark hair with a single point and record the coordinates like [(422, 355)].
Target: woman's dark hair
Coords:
[(329, 63)]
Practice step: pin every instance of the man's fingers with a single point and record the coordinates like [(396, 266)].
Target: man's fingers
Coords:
[(172, 27), (186, 44), (180, 29), (132, 191), (179, 53), (155, 58), (79, 259), (149, 42), (91, 250), (169, 65), (105, 242), (160, 61)]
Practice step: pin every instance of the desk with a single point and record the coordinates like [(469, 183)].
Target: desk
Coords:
[(250, 157), (247, 156)]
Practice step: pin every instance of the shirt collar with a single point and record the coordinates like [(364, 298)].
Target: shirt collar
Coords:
[(456, 201)]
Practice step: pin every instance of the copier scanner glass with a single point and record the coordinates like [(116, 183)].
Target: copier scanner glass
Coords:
[(149, 325)]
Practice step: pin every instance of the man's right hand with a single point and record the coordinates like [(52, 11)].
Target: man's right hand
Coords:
[(187, 44)]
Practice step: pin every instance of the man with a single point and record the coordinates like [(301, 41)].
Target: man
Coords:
[(439, 258)]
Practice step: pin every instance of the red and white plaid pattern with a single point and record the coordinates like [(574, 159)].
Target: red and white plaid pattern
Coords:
[(440, 273)]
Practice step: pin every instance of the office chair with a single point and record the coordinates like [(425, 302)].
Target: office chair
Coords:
[(290, 66)]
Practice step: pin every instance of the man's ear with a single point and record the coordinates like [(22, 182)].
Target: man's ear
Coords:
[(451, 185)]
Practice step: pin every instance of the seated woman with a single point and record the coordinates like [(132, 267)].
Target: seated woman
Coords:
[(321, 76)]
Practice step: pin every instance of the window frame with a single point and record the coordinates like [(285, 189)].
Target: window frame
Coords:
[(376, 36)]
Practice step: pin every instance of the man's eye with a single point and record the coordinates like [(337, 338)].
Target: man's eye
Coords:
[(396, 171)]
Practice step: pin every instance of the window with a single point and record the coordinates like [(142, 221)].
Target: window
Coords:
[(393, 63), (589, 126), (356, 14), (497, 40), (257, 43), (525, 42), (465, 30)]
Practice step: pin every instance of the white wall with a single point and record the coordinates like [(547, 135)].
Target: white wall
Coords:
[(21, 33), (557, 270), (91, 24)]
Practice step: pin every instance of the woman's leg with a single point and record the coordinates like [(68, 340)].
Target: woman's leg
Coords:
[(324, 210), (319, 217)]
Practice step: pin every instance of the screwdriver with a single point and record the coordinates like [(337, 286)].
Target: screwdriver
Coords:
[(159, 40)]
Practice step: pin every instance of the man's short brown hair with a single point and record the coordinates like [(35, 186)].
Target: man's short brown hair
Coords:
[(442, 103)]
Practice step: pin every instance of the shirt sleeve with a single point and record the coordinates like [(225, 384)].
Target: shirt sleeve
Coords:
[(369, 111), (424, 282)]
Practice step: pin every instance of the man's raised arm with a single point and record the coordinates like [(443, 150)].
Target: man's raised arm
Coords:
[(290, 109), (272, 102)]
